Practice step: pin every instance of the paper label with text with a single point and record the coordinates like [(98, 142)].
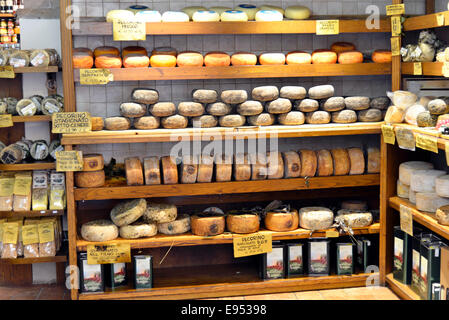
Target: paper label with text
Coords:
[(396, 26), (388, 134), (406, 219), (108, 254), (7, 72), (71, 122), (69, 161), (6, 121), (324, 27), (428, 143), (395, 9), (256, 243), (129, 30), (395, 46), (440, 19), (95, 76), (417, 68)]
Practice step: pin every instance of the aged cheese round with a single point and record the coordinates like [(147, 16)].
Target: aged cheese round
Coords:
[(217, 59), (93, 162), (265, 93), (325, 163), (223, 168), (309, 163), (437, 107), (82, 58), (190, 11), (205, 16), (145, 96), (293, 92), (307, 105), (350, 57), (39, 150), (430, 201), (242, 223), (134, 60), (163, 61), (250, 108), (272, 59), (402, 190), (344, 116), (394, 115), (108, 61), (275, 165), (324, 56), (19, 58), (232, 120), (442, 215), (132, 110), (26, 107), (341, 46), (333, 104), (321, 92), (403, 99), (163, 109), (442, 186), (138, 230), (298, 57), (11, 154), (190, 109), (119, 14), (269, 15), (160, 213), (175, 16), (134, 171), (293, 118), (146, 123), (412, 113), (169, 170), (242, 167), (234, 96), (297, 12), (425, 119), (106, 50), (205, 226), (318, 117), (174, 122), (412, 196), (263, 119), (249, 9), (282, 221), (369, 115), (218, 109), (354, 205), (205, 121), (128, 212), (205, 169), (258, 166), (90, 179), (342, 163), (189, 169), (292, 164), (279, 106), (406, 170), (315, 218), (425, 100), (180, 225), (189, 59), (381, 56), (243, 59), (99, 231), (357, 161), (381, 103), (373, 160), (151, 170), (424, 180), (355, 219), (204, 96), (234, 15), (357, 103), (117, 123)]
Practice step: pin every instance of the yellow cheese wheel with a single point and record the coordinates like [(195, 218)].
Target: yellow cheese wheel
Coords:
[(272, 59), (298, 57), (381, 56), (258, 166), (119, 14), (82, 58), (243, 59), (190, 59), (324, 56), (163, 60), (297, 12), (108, 62), (242, 223), (309, 163), (292, 164), (136, 61), (223, 168), (325, 163), (134, 171), (205, 169), (357, 160), (350, 57), (93, 179), (242, 167), (217, 59), (206, 226), (342, 163), (282, 221)]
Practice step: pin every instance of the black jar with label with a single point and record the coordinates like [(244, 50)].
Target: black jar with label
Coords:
[(143, 272), (429, 267), (272, 265), (295, 254), (91, 275), (116, 275), (318, 257), (345, 258)]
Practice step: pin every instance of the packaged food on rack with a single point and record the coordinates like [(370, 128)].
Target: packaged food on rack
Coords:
[(30, 238), (2, 221), (57, 199), (40, 190), (47, 244), (22, 191), (26, 107), (19, 59), (57, 229), (10, 239), (6, 192), (39, 150), (19, 221)]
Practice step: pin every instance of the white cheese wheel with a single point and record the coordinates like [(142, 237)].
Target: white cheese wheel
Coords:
[(342, 163), (292, 164), (297, 12), (207, 226), (403, 99), (412, 114), (263, 119), (189, 169), (293, 92), (309, 163), (249, 9), (279, 106), (402, 190), (99, 231), (316, 218), (232, 120), (219, 109), (333, 104), (93, 162), (175, 16), (321, 92), (152, 171), (205, 96), (205, 169), (146, 123), (442, 186), (407, 168), (294, 118), (355, 219), (442, 215), (138, 230), (318, 117), (223, 168), (307, 105), (205, 16), (275, 165), (190, 11), (91, 179), (325, 162), (250, 108), (174, 122), (373, 160), (271, 7), (148, 16), (412, 196), (424, 180), (234, 96), (204, 121), (190, 109), (169, 170), (357, 160), (163, 109), (265, 93), (234, 15), (134, 171), (180, 225), (119, 14), (160, 213), (394, 115), (242, 167), (269, 15), (128, 212), (344, 116), (258, 166), (354, 205), (430, 201)]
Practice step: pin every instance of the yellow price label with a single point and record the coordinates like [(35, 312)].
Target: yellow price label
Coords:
[(395, 9), (71, 122), (129, 30), (332, 234), (69, 161), (396, 26), (428, 143), (256, 243), (324, 27), (406, 217), (7, 72), (395, 46), (440, 19), (108, 254), (95, 76), (388, 134), (417, 68), (6, 121)]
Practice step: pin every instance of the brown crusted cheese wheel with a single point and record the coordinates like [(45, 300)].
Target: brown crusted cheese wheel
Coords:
[(93, 162), (152, 171), (308, 163), (293, 92), (293, 118), (321, 92), (265, 93), (205, 169), (92, 179), (357, 103), (333, 104), (190, 59), (174, 122), (147, 123), (223, 168), (318, 117), (263, 119), (189, 169), (145, 96), (242, 223), (132, 110), (219, 109), (344, 116), (134, 171), (242, 167), (117, 123), (357, 159), (204, 96), (370, 115), (381, 103), (258, 166), (292, 164), (279, 106), (342, 163), (282, 221), (373, 160), (275, 165), (307, 105), (169, 170), (163, 109), (234, 96), (232, 120), (243, 59), (205, 121), (250, 108), (217, 59), (325, 163), (97, 123), (108, 61), (207, 226), (190, 109)]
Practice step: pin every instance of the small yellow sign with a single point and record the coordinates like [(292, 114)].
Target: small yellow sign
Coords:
[(22, 185), (69, 161), (388, 134), (428, 143), (7, 72), (417, 68), (107, 254), (440, 19), (324, 27), (71, 122), (129, 30), (447, 153), (396, 26), (256, 243), (95, 76), (395, 9), (332, 234), (406, 217), (6, 186), (445, 69), (6, 121), (395, 46)]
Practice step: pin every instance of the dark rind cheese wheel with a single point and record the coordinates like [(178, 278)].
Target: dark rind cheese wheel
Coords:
[(207, 226), (163, 109), (333, 104), (258, 166), (242, 167), (342, 163), (437, 107), (279, 106), (97, 123), (204, 96), (223, 168), (234, 96), (232, 120), (318, 117), (309, 163), (321, 92), (425, 119), (169, 170), (307, 105), (373, 160), (189, 169), (250, 108), (263, 119), (265, 93), (205, 169), (293, 92), (282, 221), (134, 171), (219, 109), (152, 170), (93, 162), (344, 116), (204, 121), (275, 165), (370, 115), (174, 122), (292, 164), (133, 110), (242, 223), (357, 160), (91, 179), (145, 96), (190, 109), (117, 123), (11, 154), (357, 103), (325, 163), (293, 118), (381, 103), (147, 123), (179, 226)]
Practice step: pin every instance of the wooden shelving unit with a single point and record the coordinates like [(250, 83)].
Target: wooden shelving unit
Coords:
[(31, 214), (432, 132), (22, 261), (39, 118), (49, 69), (428, 68), (28, 166), (427, 21), (402, 290)]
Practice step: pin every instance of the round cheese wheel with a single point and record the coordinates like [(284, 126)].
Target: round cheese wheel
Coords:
[(249, 9), (263, 119), (134, 50), (164, 51), (106, 50), (242, 167), (275, 165), (205, 169), (258, 166), (430, 201), (354, 205), (219, 109), (108, 62), (119, 14), (406, 170), (148, 16), (412, 196), (190, 109), (205, 15), (90, 179), (219, 9), (162, 109), (175, 16), (282, 221), (205, 121), (373, 161), (442, 186), (297, 12), (272, 59), (442, 215), (425, 119), (269, 15), (294, 118), (293, 92), (325, 163), (381, 103), (83, 58), (250, 108), (394, 115), (147, 123), (99, 231), (97, 123), (307, 105), (174, 122), (160, 213), (342, 163), (243, 59), (357, 161), (403, 99), (138, 230), (424, 180), (128, 212), (381, 56), (265, 93), (309, 163), (204, 96), (132, 110), (189, 59), (217, 59), (93, 162), (136, 61), (223, 168), (357, 103), (169, 170), (234, 96), (344, 116), (272, 7), (279, 106), (316, 218), (437, 107), (234, 15), (134, 171), (242, 223), (333, 104), (206, 226), (324, 56), (402, 190), (298, 57), (292, 164), (232, 120), (339, 47), (189, 169), (321, 92), (350, 57), (179, 226), (145, 96), (191, 10), (151, 170), (370, 115), (162, 61), (355, 219), (318, 117)]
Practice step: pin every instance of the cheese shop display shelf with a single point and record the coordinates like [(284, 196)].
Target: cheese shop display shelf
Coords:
[(427, 21), (41, 118), (28, 166), (427, 132), (428, 68), (402, 290), (61, 257), (31, 214), (49, 69)]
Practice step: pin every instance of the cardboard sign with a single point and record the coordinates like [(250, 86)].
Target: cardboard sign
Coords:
[(108, 254), (129, 30), (69, 161), (95, 76), (388, 134), (417, 68), (406, 219), (324, 27), (440, 19), (6, 121), (332, 234), (395, 46), (396, 26), (7, 72), (71, 122), (428, 143), (256, 243), (395, 9)]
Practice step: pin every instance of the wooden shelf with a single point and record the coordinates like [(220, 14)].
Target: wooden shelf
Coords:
[(7, 15), (441, 139), (402, 290), (426, 219), (98, 27), (50, 69), (57, 259), (425, 21), (28, 166), (428, 68), (39, 118), (247, 72), (31, 214), (220, 133)]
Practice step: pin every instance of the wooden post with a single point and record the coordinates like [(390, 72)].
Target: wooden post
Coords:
[(430, 6), (396, 65)]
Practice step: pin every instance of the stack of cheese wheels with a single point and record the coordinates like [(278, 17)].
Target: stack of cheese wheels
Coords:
[(93, 175), (423, 183), (282, 220), (207, 224), (242, 222), (406, 170), (83, 58), (163, 57), (128, 212), (135, 57), (189, 59), (217, 59), (107, 57)]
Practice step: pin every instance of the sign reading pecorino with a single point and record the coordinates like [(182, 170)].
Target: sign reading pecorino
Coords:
[(256, 243), (71, 122)]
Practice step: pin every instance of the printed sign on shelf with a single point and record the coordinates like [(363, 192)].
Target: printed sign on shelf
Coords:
[(417, 69), (426, 142), (395, 9), (388, 134), (7, 72), (108, 254), (68, 161), (396, 26), (324, 27), (71, 122), (129, 30), (6, 121), (256, 243), (95, 76)]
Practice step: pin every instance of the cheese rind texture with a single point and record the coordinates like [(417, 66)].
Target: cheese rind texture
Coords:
[(315, 218), (406, 169)]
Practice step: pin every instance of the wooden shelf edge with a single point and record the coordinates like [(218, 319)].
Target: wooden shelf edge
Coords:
[(50, 69), (402, 290), (28, 166), (31, 214), (427, 21), (39, 118), (57, 259), (428, 68)]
